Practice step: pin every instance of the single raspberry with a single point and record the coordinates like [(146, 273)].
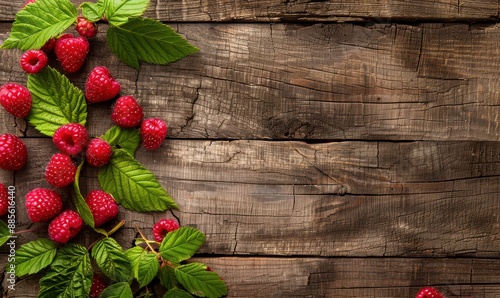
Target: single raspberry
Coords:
[(127, 112), (429, 292), (100, 85), (98, 152), (4, 199), (102, 205), (153, 132), (60, 171), (33, 61), (98, 285), (13, 152), (49, 46), (16, 99), (42, 204), (85, 27), (71, 52), (65, 226), (162, 227), (71, 138)]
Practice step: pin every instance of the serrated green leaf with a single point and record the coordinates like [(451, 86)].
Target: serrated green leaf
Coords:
[(34, 256), (5, 233), (111, 259), (81, 207), (148, 40), (127, 139), (198, 281), (145, 264), (181, 244), (117, 290), (177, 293), (93, 11), (167, 278), (56, 101), (119, 11), (38, 22), (70, 274), (132, 185)]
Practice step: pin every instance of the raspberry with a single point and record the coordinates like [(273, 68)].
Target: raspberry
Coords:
[(162, 227), (16, 99), (65, 226), (100, 85), (98, 285), (71, 138), (98, 152), (4, 199), (42, 204), (153, 132), (60, 171), (71, 52), (49, 46), (102, 205), (127, 112), (85, 27), (429, 292), (33, 61), (13, 152)]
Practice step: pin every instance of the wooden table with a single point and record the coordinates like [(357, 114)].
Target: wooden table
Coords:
[(338, 148)]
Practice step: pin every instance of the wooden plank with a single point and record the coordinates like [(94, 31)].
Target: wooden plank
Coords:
[(324, 82), (305, 10), (341, 277)]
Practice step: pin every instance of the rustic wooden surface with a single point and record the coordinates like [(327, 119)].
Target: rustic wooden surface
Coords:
[(325, 148)]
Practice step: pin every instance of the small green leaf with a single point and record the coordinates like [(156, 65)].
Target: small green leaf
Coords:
[(5, 233), (34, 256), (148, 40), (119, 11), (38, 22), (81, 207), (111, 259), (117, 290), (167, 278), (197, 280), (145, 265), (56, 101), (70, 274), (177, 293), (132, 185), (93, 11), (181, 244), (127, 139)]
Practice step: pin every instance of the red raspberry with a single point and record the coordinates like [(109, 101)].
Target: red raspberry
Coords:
[(162, 227), (98, 285), (65, 226), (49, 46), (98, 152), (102, 205), (33, 61), (429, 292), (60, 171), (4, 199), (85, 27), (153, 132), (100, 85), (71, 52), (13, 152), (127, 112), (71, 138), (42, 204), (16, 99)]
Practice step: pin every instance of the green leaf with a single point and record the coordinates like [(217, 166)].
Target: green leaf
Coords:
[(132, 185), (81, 207), (145, 265), (127, 139), (111, 259), (93, 11), (38, 22), (167, 278), (56, 101), (177, 293), (197, 280), (181, 244), (148, 40), (119, 11), (34, 256), (70, 274), (5, 233), (117, 290)]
